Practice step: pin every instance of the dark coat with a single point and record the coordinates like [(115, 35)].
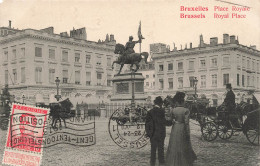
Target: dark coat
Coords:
[(156, 130), (230, 99)]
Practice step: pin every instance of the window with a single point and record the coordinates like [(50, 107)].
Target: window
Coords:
[(258, 83), (170, 66), (38, 51), (191, 65), (88, 78), (180, 65), (244, 62), (14, 53), (161, 83), (99, 60), (77, 57), (214, 80), (147, 84), (23, 75), (238, 61), (88, 57), (202, 63), (248, 64), (65, 56), (153, 84), (253, 81), (77, 77), (15, 75), (38, 75), (6, 76), (65, 76), (170, 81), (225, 79), (51, 53), (180, 82), (51, 75), (191, 78), (238, 79), (226, 61), (248, 80), (203, 81), (153, 75), (109, 77), (243, 80), (214, 62), (108, 61), (99, 78), (257, 67), (6, 55), (22, 52), (147, 76), (160, 67)]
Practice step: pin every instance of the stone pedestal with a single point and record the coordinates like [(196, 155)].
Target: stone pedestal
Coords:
[(122, 88), (103, 112)]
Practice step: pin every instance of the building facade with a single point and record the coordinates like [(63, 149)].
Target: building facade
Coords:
[(214, 65), (31, 61)]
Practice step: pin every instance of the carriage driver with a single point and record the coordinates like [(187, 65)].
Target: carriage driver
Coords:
[(229, 101)]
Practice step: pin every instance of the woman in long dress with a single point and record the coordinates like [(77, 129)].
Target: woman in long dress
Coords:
[(180, 152)]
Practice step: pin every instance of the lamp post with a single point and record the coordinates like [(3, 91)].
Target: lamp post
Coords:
[(57, 81), (23, 98), (195, 81)]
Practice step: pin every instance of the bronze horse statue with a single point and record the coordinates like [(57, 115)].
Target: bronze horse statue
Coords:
[(134, 58)]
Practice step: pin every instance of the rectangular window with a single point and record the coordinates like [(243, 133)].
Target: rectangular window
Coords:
[(248, 64), (77, 77), (191, 78), (160, 67), (88, 78), (22, 52), (88, 57), (258, 69), (180, 65), (14, 53), (191, 65), (180, 82), (153, 75), (244, 62), (38, 75), (202, 63), (51, 75), (253, 65), (170, 66), (6, 77), (38, 52), (147, 84), (226, 61), (253, 81), (225, 79), (238, 61), (243, 80), (23, 75), (248, 80), (77, 57), (258, 83), (6, 55), (109, 77), (161, 84), (99, 78), (15, 75), (147, 76), (203, 81), (214, 80), (65, 56), (108, 61), (238, 79), (65, 76), (170, 81), (51, 53), (214, 62)]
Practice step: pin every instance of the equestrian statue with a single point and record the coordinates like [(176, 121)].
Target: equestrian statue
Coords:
[(128, 55)]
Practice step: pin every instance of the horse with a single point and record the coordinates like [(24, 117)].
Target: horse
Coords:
[(60, 111), (134, 58)]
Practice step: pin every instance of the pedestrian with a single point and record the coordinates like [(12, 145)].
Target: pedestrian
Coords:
[(155, 127), (180, 152)]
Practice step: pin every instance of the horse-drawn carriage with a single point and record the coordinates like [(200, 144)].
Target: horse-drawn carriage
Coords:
[(122, 116)]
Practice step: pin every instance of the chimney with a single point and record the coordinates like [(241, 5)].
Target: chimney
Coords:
[(112, 38), (225, 38), (107, 38), (190, 45), (233, 39), (201, 41), (213, 41), (10, 24)]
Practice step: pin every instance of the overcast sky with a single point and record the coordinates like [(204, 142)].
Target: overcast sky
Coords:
[(160, 20)]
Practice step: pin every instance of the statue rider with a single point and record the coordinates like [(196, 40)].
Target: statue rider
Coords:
[(129, 47)]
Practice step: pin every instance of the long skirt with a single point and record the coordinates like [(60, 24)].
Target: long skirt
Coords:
[(180, 152)]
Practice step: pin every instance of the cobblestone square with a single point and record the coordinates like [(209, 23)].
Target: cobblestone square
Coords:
[(234, 152)]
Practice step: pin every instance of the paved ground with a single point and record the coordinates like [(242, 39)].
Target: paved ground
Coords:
[(235, 152)]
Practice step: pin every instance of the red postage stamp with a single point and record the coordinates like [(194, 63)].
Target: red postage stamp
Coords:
[(25, 135)]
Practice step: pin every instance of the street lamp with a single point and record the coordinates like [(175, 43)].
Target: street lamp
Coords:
[(23, 98), (57, 81), (195, 81)]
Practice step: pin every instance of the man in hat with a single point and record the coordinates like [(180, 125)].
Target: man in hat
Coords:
[(229, 101), (155, 127)]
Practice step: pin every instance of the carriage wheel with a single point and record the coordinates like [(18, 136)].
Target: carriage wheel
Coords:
[(4, 124), (225, 130), (209, 131), (253, 134)]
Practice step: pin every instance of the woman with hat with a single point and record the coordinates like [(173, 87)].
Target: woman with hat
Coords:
[(180, 152)]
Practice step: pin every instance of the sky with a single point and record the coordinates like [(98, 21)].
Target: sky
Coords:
[(161, 22)]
